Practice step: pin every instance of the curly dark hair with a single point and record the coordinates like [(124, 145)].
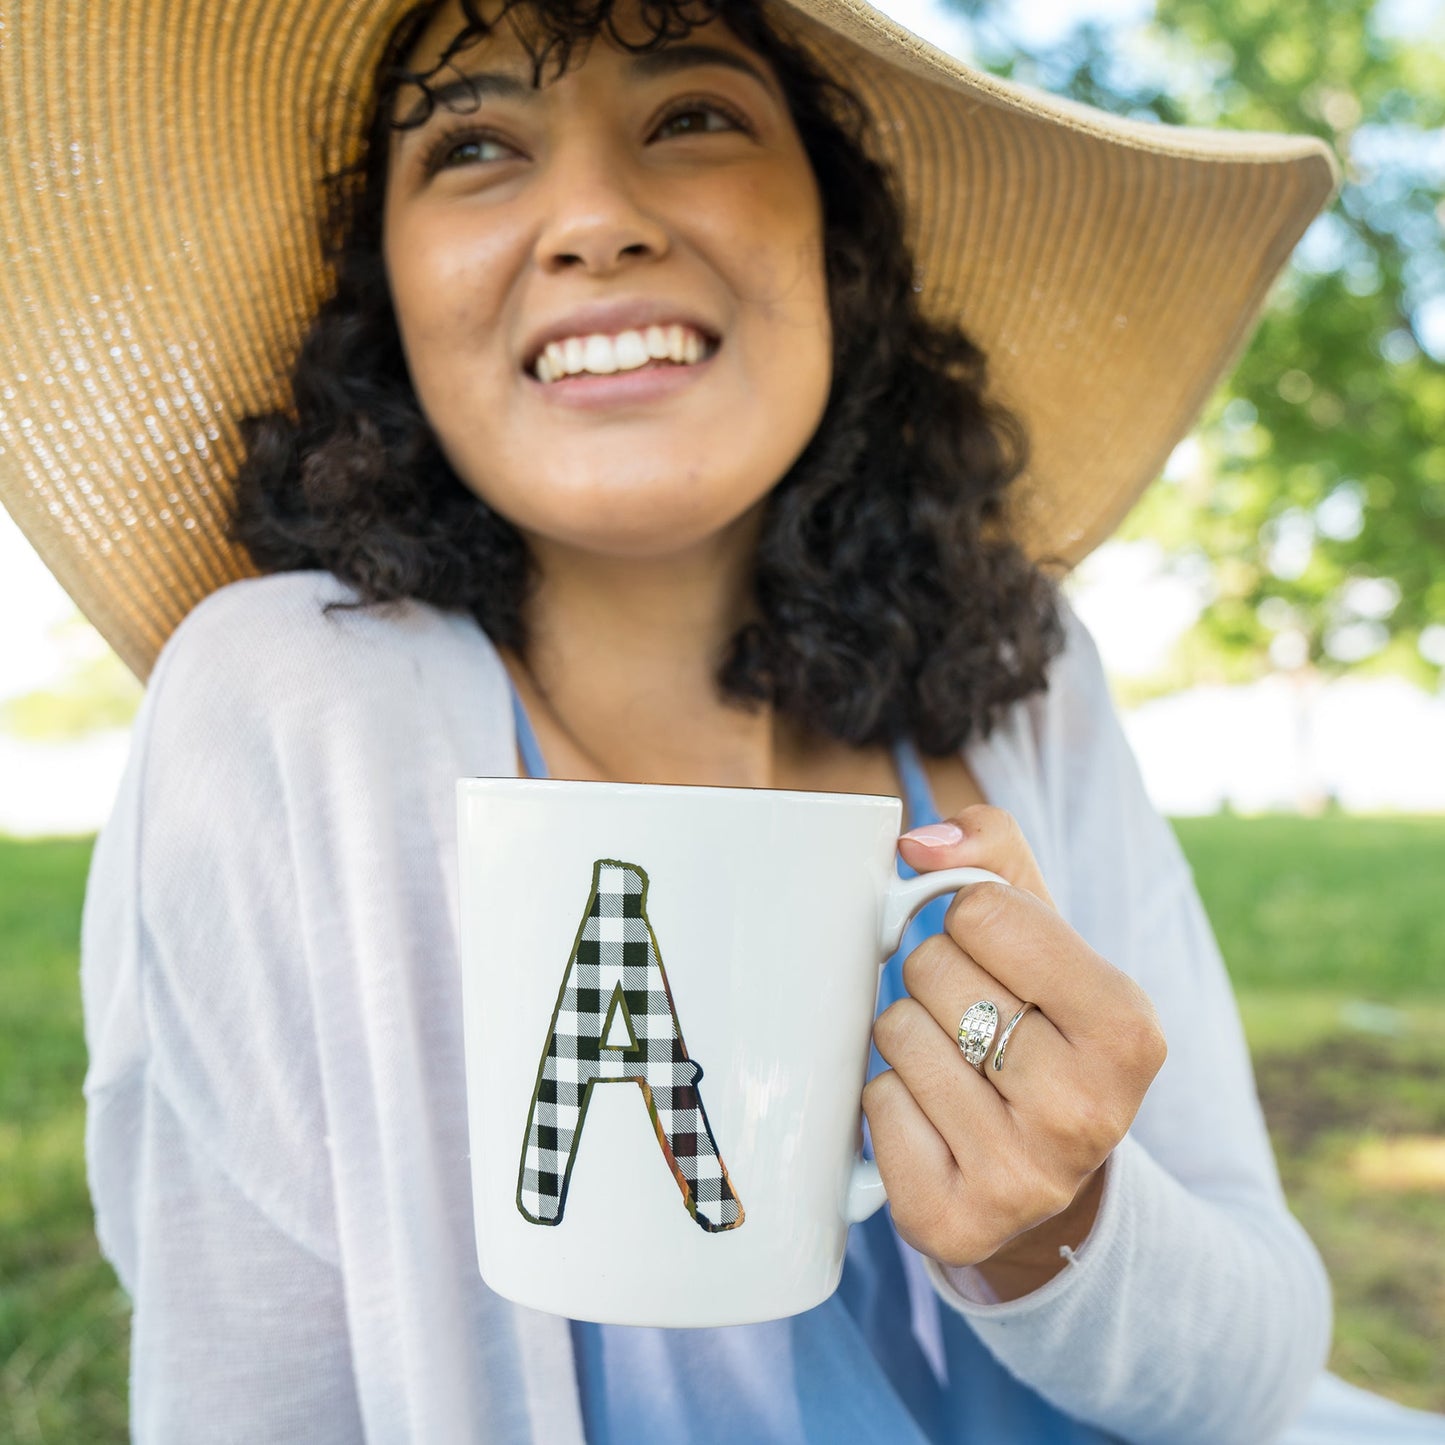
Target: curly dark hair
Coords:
[(890, 597)]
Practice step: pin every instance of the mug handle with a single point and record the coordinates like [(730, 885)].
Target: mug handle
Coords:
[(905, 897)]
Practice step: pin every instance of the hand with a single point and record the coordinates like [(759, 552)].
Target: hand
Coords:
[(1003, 1166)]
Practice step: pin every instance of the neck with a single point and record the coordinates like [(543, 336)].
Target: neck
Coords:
[(621, 661)]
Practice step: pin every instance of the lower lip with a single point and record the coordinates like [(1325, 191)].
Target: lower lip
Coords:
[(622, 388)]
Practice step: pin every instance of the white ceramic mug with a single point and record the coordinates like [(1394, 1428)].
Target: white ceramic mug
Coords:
[(716, 950)]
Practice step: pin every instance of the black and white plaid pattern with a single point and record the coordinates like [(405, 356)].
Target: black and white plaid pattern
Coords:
[(615, 989)]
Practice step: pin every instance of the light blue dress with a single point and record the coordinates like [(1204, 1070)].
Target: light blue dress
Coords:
[(880, 1360)]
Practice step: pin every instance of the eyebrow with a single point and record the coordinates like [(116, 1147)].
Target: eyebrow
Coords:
[(667, 61)]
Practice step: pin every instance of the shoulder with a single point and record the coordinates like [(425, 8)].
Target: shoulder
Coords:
[(296, 623), (1077, 732), (1063, 757), (1070, 713), (274, 647), (1076, 675), (265, 713)]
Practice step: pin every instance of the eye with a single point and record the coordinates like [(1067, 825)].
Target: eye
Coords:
[(449, 142), (695, 106), (438, 154)]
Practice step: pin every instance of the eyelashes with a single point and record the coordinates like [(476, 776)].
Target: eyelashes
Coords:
[(461, 135), (688, 107), (437, 148)]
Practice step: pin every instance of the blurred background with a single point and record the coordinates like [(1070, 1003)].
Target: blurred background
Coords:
[(1272, 616)]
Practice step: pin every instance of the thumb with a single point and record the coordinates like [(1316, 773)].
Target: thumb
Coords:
[(980, 836)]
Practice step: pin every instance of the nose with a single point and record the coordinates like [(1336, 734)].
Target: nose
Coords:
[(595, 209)]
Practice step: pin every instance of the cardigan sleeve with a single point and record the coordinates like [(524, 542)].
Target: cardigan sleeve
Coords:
[(238, 1330), (1198, 1309), (277, 1128), (205, 1131)]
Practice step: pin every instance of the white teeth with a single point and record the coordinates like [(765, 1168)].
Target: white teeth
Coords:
[(601, 355), (631, 348), (624, 352)]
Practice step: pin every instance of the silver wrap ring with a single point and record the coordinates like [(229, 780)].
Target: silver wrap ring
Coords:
[(1003, 1042)]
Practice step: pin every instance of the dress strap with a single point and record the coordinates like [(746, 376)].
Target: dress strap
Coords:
[(526, 738), (918, 805)]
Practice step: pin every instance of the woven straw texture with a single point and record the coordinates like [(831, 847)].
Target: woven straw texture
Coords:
[(159, 170)]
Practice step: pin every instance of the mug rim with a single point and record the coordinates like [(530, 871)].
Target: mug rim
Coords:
[(672, 789)]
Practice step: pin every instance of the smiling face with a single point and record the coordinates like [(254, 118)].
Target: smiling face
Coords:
[(632, 191)]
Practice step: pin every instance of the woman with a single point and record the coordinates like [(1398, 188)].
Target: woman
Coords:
[(780, 553)]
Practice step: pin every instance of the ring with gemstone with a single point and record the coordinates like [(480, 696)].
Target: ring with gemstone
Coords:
[(976, 1030)]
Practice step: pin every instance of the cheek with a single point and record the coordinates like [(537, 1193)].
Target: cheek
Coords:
[(789, 294), (775, 228), (785, 274), (442, 284)]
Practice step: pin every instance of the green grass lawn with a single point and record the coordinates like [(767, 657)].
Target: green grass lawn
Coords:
[(1336, 942), (1335, 938), (63, 1318), (1330, 903)]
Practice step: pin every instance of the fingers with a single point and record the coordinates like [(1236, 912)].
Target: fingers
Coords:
[(991, 839), (1035, 954), (1044, 1082), (958, 1203), (946, 982), (908, 1148), (1065, 1116), (1039, 1085), (1016, 932)]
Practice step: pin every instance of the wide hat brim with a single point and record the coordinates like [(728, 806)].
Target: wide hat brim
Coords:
[(159, 261)]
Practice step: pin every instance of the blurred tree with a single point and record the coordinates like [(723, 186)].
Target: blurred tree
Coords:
[(1311, 496), (95, 691)]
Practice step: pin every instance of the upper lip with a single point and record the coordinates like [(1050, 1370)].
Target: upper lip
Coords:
[(609, 317)]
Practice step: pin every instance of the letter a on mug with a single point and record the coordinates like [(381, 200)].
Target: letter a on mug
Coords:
[(615, 1023)]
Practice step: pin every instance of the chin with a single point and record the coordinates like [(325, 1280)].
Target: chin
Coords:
[(651, 540), (640, 526), (653, 515)]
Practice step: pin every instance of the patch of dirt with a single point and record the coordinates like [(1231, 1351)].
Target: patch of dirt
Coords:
[(1350, 1082)]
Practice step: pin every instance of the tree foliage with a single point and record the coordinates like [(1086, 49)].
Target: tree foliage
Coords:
[(1312, 493)]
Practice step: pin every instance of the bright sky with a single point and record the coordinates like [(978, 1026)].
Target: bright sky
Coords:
[(31, 601), (1037, 21)]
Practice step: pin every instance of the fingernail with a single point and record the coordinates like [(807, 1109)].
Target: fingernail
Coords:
[(935, 835)]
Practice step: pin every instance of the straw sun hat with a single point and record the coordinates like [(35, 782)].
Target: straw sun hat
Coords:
[(159, 261)]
